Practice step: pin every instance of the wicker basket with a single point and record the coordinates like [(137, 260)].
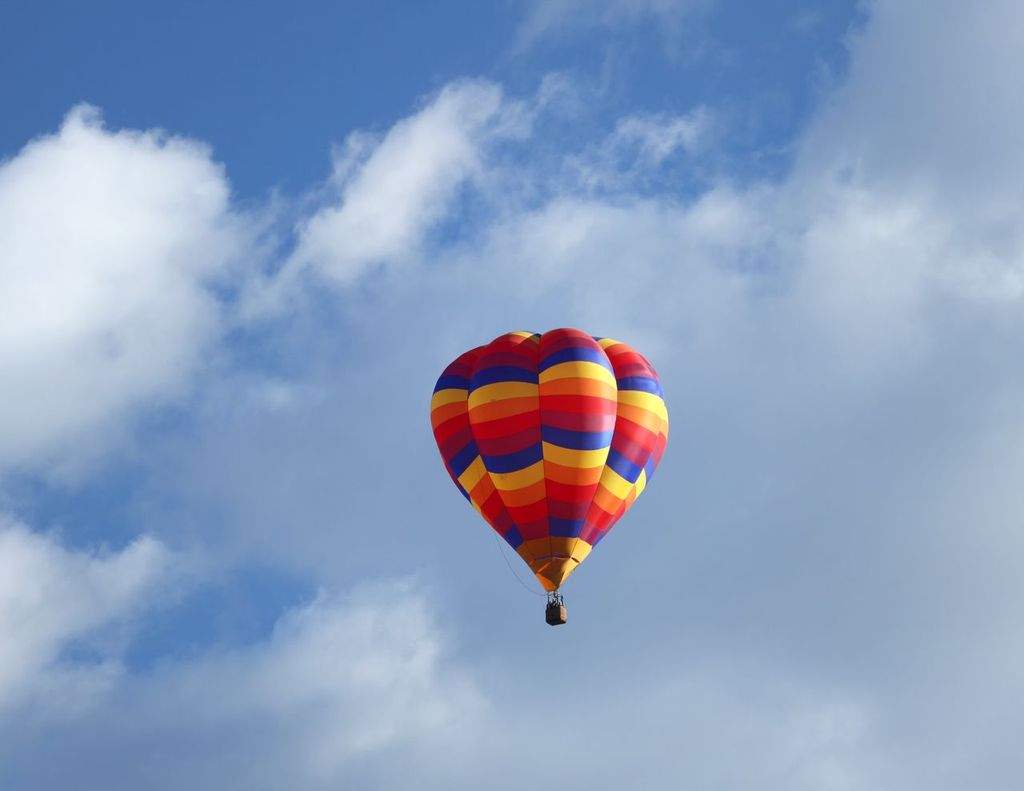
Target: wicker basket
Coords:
[(555, 614)]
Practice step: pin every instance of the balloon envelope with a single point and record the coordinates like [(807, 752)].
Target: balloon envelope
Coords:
[(551, 438)]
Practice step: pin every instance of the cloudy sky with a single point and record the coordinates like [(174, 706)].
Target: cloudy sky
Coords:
[(239, 241)]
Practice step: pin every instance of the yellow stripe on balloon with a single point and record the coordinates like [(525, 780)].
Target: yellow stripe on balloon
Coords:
[(499, 391), (641, 416), (617, 485), (445, 397), (644, 400), (579, 551), (578, 369), (472, 474), (558, 547), (570, 457), (510, 481), (641, 483)]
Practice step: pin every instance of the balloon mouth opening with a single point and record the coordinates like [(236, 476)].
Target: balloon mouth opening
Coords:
[(553, 560)]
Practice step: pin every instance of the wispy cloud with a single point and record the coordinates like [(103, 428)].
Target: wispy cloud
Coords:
[(554, 18), (393, 191)]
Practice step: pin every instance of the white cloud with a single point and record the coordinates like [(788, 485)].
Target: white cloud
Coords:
[(928, 122), (642, 150), (341, 684), (338, 678), (927, 101), (657, 138), (393, 192), (51, 597), (110, 243), (368, 688)]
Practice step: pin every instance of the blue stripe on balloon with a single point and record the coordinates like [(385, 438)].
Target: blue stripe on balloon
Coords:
[(513, 537), (575, 353), (565, 528), (510, 462), (645, 383), (623, 466), (461, 460), (577, 440), (649, 468), (502, 373), (452, 382)]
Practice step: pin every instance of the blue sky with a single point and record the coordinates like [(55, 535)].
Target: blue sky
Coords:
[(237, 245), (271, 88)]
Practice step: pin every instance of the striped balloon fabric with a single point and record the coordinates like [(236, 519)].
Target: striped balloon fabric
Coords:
[(551, 438)]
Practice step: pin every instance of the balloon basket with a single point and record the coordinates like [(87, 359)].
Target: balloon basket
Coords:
[(555, 613)]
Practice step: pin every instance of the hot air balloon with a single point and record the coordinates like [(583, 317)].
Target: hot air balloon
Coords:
[(551, 437)]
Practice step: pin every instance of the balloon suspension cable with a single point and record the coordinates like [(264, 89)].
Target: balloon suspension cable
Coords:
[(556, 599), (504, 557)]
